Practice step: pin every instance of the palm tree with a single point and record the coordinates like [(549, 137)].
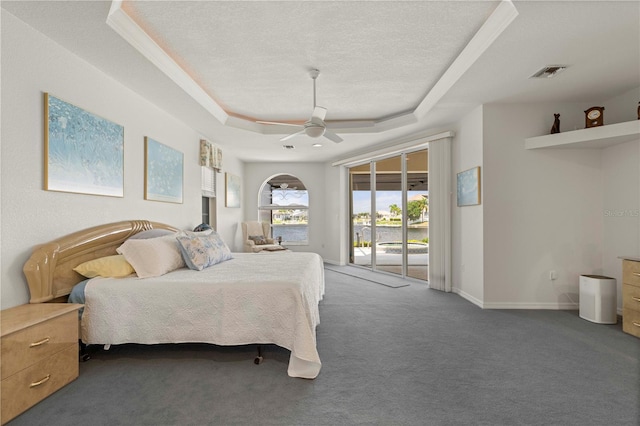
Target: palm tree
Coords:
[(395, 210)]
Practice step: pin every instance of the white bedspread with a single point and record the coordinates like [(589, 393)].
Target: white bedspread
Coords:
[(253, 298)]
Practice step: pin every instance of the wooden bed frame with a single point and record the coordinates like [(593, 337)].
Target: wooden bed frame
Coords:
[(51, 278), (49, 270)]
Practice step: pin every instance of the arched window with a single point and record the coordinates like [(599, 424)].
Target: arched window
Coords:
[(284, 202)]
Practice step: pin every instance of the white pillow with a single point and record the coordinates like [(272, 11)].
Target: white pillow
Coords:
[(154, 256), (151, 233)]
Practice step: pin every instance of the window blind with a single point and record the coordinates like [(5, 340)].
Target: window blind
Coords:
[(208, 179)]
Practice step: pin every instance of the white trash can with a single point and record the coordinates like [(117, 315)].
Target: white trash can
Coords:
[(598, 301)]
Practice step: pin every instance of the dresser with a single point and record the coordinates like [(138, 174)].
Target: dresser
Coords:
[(39, 354), (631, 296)]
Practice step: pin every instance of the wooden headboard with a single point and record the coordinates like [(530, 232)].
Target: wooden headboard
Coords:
[(49, 270)]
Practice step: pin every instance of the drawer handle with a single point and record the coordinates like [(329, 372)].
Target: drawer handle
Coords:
[(637, 299), (41, 381), (637, 274), (41, 342), (637, 324)]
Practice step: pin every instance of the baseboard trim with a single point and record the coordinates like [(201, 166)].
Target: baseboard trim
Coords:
[(522, 305), (516, 305), (468, 297)]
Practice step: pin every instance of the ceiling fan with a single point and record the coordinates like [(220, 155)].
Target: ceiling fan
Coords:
[(315, 126)]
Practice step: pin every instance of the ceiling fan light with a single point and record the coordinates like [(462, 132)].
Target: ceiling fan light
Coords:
[(314, 131)]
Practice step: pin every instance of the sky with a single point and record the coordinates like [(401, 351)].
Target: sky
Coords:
[(362, 200)]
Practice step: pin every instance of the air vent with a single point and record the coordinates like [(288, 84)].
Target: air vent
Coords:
[(549, 71), (288, 146)]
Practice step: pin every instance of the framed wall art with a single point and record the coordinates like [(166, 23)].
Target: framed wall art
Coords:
[(163, 171), (232, 190), (468, 187), (210, 155), (83, 153)]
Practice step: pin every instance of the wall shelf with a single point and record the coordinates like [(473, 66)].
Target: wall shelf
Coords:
[(594, 137)]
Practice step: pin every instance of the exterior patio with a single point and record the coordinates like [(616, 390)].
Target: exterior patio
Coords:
[(417, 263)]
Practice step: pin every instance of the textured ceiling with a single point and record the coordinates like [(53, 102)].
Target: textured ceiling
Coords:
[(377, 58)]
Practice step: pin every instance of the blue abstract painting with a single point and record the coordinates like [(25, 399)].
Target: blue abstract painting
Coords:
[(84, 153), (468, 186), (163, 172)]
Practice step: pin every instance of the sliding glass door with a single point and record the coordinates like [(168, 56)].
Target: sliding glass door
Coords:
[(389, 215)]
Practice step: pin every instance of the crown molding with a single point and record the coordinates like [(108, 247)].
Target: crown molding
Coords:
[(127, 28), (130, 31), (493, 27)]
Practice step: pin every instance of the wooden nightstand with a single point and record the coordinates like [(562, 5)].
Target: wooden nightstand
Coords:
[(39, 354), (631, 297)]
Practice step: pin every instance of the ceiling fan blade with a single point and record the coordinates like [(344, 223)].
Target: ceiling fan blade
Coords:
[(279, 123), (332, 136), (319, 112), (291, 135)]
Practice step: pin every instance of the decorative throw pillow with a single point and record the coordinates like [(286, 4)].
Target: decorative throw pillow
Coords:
[(152, 257), (115, 266), (202, 251), (259, 240)]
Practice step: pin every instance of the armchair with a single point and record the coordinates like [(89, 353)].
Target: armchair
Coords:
[(251, 233)]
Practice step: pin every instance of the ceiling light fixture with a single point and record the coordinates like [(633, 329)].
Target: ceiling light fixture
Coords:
[(549, 71), (317, 145), (314, 131)]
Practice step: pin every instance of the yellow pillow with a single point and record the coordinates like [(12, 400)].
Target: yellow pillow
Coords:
[(110, 266)]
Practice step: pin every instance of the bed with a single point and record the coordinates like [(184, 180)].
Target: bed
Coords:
[(267, 298)]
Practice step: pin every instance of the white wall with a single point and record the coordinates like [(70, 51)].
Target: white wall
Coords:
[(542, 212), (621, 207), (621, 192), (546, 209), (228, 218), (467, 230), (33, 64), (313, 177)]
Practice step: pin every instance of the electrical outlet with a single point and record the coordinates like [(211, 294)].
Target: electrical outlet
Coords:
[(553, 275)]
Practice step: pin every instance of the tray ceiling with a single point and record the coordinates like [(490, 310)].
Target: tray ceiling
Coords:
[(402, 69)]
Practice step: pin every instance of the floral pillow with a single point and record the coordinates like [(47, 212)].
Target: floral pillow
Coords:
[(201, 251), (259, 240)]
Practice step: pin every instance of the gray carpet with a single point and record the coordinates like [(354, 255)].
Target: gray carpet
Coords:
[(406, 356), (368, 275)]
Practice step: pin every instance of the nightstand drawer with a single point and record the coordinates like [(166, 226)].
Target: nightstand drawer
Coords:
[(631, 322), (630, 297), (631, 272), (35, 343), (33, 384)]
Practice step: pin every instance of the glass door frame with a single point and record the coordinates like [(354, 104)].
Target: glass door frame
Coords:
[(403, 156)]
